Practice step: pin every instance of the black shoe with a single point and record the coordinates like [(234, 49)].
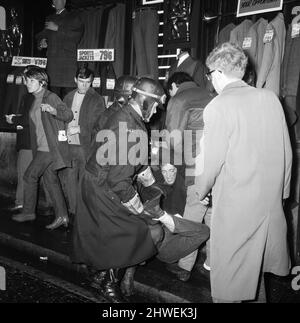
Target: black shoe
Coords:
[(181, 274), (106, 285)]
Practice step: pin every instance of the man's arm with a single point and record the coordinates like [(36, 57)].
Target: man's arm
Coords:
[(213, 148), (57, 108)]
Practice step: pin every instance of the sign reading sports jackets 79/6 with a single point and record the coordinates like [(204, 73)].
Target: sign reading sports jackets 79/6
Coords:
[(95, 55)]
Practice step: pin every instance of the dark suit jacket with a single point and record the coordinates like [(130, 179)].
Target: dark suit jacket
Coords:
[(62, 48), (192, 67), (92, 107)]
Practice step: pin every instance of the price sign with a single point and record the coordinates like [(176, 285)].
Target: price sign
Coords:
[(95, 55), (97, 82), (247, 42), (21, 61), (268, 36), (296, 30)]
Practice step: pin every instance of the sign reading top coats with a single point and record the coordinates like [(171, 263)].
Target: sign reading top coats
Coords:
[(250, 7), (95, 55)]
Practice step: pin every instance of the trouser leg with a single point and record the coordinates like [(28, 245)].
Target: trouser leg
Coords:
[(31, 178), (194, 211), (187, 237), (24, 160), (72, 175), (53, 185)]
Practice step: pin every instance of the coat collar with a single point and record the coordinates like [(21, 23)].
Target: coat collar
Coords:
[(235, 85), (186, 86)]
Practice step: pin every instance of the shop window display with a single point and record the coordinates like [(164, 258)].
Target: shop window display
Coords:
[(177, 23)]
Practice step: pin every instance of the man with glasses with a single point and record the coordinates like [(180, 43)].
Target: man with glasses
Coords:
[(246, 160)]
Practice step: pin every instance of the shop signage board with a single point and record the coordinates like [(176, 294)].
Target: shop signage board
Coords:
[(251, 7), (95, 55), (145, 2), (21, 61)]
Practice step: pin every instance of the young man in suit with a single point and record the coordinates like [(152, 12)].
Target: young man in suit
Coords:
[(87, 106)]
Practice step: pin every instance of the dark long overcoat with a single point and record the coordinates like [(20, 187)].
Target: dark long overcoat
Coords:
[(106, 235)]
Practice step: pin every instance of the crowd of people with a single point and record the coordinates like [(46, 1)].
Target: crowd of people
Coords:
[(217, 176)]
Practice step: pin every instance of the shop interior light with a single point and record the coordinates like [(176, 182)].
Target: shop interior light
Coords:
[(209, 16)]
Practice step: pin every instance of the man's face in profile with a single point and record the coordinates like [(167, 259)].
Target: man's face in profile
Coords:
[(169, 173)]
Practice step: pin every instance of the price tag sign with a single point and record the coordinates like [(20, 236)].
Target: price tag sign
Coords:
[(97, 82), (247, 42), (95, 55), (296, 30), (21, 61), (19, 80), (10, 78), (110, 84), (269, 36)]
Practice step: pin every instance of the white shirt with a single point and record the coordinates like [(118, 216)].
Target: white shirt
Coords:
[(76, 106), (182, 58)]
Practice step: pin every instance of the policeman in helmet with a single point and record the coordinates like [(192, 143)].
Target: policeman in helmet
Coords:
[(122, 94), (109, 230)]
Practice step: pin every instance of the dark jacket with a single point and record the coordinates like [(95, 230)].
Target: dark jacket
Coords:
[(62, 48), (103, 226), (192, 67), (92, 107), (23, 135), (185, 112), (51, 124)]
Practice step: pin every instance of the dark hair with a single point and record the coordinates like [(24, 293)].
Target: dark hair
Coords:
[(178, 78), (35, 72), (84, 73)]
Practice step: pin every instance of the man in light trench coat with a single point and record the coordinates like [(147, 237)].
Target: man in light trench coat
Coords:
[(246, 160)]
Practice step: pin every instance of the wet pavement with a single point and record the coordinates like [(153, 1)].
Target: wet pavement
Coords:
[(48, 251), (28, 285)]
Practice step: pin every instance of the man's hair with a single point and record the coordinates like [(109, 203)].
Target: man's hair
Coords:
[(84, 73), (178, 78), (228, 58), (37, 73)]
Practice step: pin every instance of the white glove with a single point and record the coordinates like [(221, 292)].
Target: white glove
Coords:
[(167, 221)]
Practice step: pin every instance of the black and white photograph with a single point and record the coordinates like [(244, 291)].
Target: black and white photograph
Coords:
[(149, 155)]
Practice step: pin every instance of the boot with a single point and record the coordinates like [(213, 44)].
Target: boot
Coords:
[(106, 284), (127, 283)]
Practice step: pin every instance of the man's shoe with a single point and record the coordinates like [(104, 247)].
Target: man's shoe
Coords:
[(181, 274), (17, 207), (23, 217), (58, 222), (105, 284)]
